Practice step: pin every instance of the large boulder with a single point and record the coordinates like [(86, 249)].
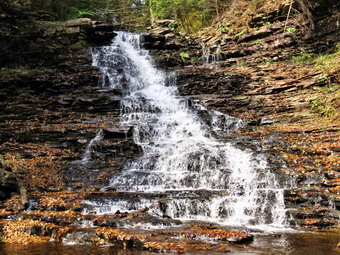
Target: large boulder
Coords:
[(163, 35)]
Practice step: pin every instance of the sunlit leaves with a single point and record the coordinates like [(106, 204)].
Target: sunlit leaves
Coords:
[(21, 232)]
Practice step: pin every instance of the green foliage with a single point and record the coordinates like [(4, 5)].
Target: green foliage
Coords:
[(224, 27), (68, 9), (324, 79), (266, 63), (315, 103), (316, 5), (303, 58), (83, 14), (329, 88), (129, 13), (184, 55), (291, 30), (327, 63), (242, 32), (322, 107), (192, 15), (195, 59)]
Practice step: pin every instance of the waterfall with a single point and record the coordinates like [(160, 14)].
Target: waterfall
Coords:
[(89, 147), (211, 55), (186, 171)]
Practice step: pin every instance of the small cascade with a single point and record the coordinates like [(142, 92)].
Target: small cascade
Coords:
[(211, 55), (219, 122), (187, 170), (80, 170), (89, 147)]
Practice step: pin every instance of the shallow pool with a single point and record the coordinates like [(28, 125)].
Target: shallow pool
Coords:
[(275, 244)]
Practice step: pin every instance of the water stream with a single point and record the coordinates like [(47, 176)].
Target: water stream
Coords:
[(197, 174), (285, 244), (88, 150), (211, 55)]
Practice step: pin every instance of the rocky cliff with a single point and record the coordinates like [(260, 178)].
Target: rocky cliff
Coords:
[(283, 82), (52, 105)]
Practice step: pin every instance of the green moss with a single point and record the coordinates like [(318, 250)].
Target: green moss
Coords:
[(326, 63), (259, 42), (303, 58), (75, 14), (291, 30), (79, 44), (81, 41), (184, 55), (242, 32), (266, 63), (322, 107)]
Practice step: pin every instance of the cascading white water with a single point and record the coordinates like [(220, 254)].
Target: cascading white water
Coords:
[(88, 150), (211, 55), (185, 170)]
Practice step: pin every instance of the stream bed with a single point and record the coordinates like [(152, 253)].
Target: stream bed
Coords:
[(287, 243)]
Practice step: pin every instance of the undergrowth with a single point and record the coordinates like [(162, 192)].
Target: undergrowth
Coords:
[(244, 16), (326, 63), (239, 15)]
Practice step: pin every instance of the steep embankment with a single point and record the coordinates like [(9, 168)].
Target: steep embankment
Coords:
[(280, 74), (51, 106)]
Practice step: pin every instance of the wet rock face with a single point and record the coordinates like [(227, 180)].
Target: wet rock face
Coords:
[(28, 41), (170, 47), (253, 77), (92, 31), (8, 180), (139, 218), (52, 104), (200, 81), (61, 122), (163, 36)]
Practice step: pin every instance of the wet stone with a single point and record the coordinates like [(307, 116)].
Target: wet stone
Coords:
[(117, 132), (81, 236), (132, 219)]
